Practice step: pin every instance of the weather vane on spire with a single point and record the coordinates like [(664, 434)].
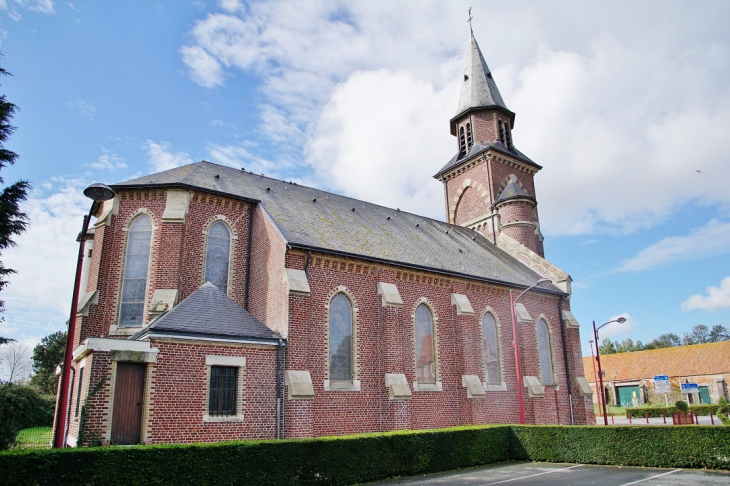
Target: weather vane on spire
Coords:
[(470, 17)]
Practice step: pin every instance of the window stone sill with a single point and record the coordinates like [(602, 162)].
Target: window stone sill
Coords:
[(341, 386), (115, 330), (495, 388), (215, 419), (438, 386)]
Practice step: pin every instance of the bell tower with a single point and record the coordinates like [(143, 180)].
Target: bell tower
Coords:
[(489, 184)]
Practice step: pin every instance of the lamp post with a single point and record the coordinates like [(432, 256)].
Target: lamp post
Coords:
[(513, 301), (595, 376), (98, 193), (620, 320)]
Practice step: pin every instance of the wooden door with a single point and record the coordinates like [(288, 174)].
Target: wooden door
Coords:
[(128, 401)]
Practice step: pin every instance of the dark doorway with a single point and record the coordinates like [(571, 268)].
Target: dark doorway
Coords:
[(128, 397)]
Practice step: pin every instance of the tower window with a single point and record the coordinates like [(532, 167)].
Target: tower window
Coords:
[(502, 137), (508, 135), (462, 142), (134, 283), (469, 141)]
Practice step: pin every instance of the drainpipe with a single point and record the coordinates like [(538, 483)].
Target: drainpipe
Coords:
[(248, 255), (279, 349), (306, 263), (565, 358)]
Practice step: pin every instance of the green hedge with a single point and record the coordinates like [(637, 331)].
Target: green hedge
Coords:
[(660, 446), (363, 458), (336, 460), (639, 412)]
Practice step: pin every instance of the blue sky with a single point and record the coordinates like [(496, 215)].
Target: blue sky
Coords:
[(626, 107)]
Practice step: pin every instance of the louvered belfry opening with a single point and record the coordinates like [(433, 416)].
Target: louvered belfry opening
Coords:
[(223, 385)]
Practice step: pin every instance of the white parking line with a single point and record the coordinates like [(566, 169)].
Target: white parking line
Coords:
[(533, 475), (653, 477)]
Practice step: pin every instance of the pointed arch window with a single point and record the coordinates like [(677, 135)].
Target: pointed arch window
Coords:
[(462, 141), (490, 338), (136, 264), (425, 346), (469, 140), (340, 331), (502, 136), (217, 255), (545, 352)]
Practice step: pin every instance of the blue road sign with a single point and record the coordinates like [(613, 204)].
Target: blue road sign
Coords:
[(689, 387), (661, 378)]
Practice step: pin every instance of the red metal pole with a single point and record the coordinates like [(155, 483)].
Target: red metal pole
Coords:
[(600, 373), (647, 417), (629, 417), (664, 416), (68, 354), (712, 420), (517, 359), (595, 380)]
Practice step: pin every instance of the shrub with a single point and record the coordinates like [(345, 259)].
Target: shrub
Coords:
[(640, 412), (21, 407), (682, 406)]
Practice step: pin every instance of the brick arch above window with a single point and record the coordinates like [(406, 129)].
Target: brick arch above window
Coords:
[(470, 192), (330, 383)]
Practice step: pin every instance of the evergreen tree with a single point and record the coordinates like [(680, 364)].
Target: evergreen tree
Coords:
[(46, 357), (12, 220)]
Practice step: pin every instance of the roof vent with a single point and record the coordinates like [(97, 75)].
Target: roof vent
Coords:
[(418, 225), (460, 251), (489, 75), (268, 189), (388, 218), (217, 176), (314, 200), (473, 238), (353, 209), (447, 232), (466, 77)]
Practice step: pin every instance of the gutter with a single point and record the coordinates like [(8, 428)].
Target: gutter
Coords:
[(300, 246)]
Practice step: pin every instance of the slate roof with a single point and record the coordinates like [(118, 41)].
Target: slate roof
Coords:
[(512, 191), (693, 360), (478, 88), (208, 312), (313, 219), (480, 147)]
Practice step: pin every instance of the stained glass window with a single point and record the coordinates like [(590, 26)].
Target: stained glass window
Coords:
[(134, 285), (546, 358), (491, 349), (340, 338), (425, 352), (216, 258)]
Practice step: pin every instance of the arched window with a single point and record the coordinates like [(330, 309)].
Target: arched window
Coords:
[(340, 339), (425, 350), (217, 255), (502, 137), (136, 263), (462, 141), (469, 140), (546, 354), (491, 349)]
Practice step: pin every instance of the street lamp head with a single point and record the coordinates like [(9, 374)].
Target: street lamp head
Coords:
[(99, 192), (544, 279), (621, 320)]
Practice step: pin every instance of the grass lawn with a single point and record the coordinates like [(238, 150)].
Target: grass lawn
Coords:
[(34, 437), (618, 411)]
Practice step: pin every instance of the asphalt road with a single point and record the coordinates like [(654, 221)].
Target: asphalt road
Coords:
[(548, 474)]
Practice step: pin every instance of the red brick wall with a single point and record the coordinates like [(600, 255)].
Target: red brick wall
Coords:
[(385, 344), (179, 391), (267, 301), (471, 206)]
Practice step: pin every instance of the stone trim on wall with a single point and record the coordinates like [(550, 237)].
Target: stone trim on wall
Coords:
[(438, 386), (232, 248), (502, 386), (233, 362), (355, 384)]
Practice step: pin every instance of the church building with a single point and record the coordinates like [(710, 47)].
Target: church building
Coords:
[(218, 304)]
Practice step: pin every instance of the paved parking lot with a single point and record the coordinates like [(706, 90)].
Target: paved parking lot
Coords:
[(547, 474)]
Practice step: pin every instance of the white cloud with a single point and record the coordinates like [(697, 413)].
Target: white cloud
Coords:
[(160, 157), (73, 7), (110, 162), (622, 113), (380, 157), (706, 241), (716, 298), (38, 297), (83, 108), (13, 7)]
